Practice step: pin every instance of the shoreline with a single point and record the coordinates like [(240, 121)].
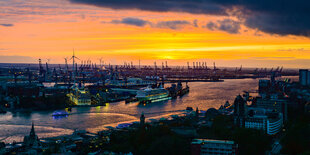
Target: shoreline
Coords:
[(102, 128)]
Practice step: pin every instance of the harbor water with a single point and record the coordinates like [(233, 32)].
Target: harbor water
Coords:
[(204, 95)]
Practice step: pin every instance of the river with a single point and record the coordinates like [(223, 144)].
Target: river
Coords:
[(204, 95)]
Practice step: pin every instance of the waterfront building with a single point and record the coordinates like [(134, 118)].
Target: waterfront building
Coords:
[(239, 110), (211, 146), (273, 103), (274, 124), (261, 119), (308, 78), (303, 77), (79, 96), (256, 119), (263, 86)]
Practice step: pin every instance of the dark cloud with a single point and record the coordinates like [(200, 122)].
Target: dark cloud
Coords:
[(175, 24), (131, 21), (227, 25), (196, 6), (7, 25), (283, 17), (212, 26), (195, 23)]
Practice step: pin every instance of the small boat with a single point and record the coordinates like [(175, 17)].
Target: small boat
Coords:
[(60, 113)]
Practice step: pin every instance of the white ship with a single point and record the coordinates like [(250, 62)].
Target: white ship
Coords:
[(149, 95)]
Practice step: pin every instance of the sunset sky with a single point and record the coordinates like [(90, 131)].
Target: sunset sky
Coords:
[(252, 34)]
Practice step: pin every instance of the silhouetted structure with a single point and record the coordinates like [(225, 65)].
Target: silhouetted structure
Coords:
[(32, 140), (239, 110), (142, 120), (197, 112)]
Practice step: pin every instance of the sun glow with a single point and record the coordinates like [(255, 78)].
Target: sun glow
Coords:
[(166, 57), (94, 36)]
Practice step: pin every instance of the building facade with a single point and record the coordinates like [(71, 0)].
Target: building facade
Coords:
[(239, 110), (270, 122), (79, 96), (303, 76), (210, 147)]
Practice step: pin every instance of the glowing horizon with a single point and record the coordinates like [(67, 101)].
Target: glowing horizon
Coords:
[(50, 30)]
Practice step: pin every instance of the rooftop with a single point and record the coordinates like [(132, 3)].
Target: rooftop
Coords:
[(202, 141)]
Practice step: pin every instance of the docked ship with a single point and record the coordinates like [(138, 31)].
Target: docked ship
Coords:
[(149, 95)]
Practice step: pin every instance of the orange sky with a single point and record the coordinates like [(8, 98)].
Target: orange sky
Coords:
[(50, 30)]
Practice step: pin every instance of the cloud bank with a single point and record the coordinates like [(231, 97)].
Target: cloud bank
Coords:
[(16, 59), (131, 21), (7, 25), (174, 24), (227, 25), (283, 17)]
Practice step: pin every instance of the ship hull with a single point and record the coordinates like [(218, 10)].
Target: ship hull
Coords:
[(154, 99)]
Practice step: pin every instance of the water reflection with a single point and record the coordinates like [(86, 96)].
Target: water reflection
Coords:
[(202, 95)]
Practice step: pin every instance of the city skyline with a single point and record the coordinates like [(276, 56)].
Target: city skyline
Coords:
[(212, 32)]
